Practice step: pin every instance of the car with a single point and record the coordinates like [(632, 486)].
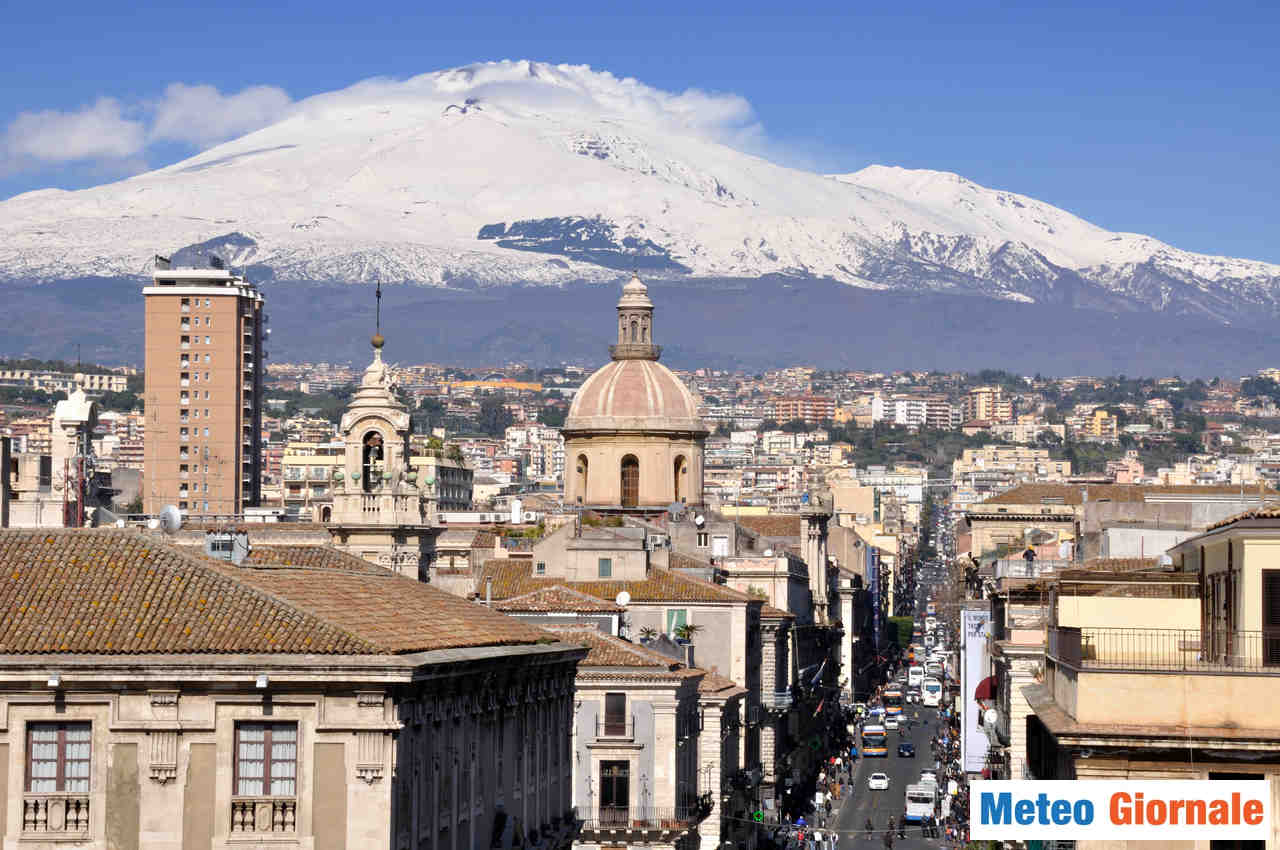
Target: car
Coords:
[(891, 722), (907, 750), (928, 776), (878, 782)]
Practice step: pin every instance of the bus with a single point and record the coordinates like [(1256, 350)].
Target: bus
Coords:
[(919, 802), (930, 623), (931, 609), (874, 741), (915, 676), (893, 701), (931, 693)]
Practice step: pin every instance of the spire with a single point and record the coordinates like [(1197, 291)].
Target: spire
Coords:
[(635, 324), (378, 340)]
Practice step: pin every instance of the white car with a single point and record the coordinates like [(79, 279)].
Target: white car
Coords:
[(928, 776), (878, 782), (891, 722)]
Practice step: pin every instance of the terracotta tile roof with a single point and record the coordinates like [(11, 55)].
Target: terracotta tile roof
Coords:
[(773, 525), (308, 556), (768, 612), (512, 578), (120, 591), (557, 597), (681, 561), (608, 651), (713, 684), (1073, 494), (1271, 512)]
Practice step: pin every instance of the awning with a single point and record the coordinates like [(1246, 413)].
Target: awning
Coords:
[(986, 689)]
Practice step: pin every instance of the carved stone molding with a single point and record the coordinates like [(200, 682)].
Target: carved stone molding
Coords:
[(369, 756), (369, 699), (164, 756), (164, 704)]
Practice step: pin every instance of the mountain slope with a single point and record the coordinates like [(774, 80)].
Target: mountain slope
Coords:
[(526, 173)]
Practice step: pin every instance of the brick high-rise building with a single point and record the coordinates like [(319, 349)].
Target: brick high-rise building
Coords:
[(203, 392)]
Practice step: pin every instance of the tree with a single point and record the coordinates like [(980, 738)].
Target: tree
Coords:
[(494, 417), (552, 416), (795, 426)]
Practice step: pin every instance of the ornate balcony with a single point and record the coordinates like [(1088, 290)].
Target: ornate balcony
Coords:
[(264, 814), (55, 814)]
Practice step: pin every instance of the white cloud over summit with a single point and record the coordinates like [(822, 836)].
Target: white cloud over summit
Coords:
[(108, 132), (200, 116)]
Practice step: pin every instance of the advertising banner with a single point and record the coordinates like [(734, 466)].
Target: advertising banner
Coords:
[(975, 625), (1156, 810)]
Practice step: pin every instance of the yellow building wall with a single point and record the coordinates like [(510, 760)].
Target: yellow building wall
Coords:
[(1121, 612)]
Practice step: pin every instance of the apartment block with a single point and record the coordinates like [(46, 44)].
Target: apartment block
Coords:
[(813, 409), (203, 391), (987, 404)]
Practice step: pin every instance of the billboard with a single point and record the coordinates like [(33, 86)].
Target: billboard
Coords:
[(873, 590), (975, 665)]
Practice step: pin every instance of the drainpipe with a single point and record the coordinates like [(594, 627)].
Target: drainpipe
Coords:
[(488, 591)]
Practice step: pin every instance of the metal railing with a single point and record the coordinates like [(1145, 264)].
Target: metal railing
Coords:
[(616, 727), (608, 819), (1171, 650), (1022, 568)]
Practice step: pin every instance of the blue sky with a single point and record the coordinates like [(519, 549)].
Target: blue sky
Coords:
[(1151, 117)]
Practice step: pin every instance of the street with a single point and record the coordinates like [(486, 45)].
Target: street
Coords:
[(881, 805)]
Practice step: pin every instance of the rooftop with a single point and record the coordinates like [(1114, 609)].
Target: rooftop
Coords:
[(1074, 494), (110, 591), (511, 577)]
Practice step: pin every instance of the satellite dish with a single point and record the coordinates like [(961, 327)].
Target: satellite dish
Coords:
[(171, 519), (990, 716), (153, 524), (768, 553), (119, 523), (622, 598), (699, 520)]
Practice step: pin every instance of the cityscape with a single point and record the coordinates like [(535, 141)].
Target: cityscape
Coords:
[(479, 458)]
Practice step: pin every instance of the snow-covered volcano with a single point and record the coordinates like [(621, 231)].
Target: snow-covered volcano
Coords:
[(521, 172)]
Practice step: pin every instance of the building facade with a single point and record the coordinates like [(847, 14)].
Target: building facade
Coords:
[(203, 391)]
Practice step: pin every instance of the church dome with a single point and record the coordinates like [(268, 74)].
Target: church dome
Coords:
[(634, 395)]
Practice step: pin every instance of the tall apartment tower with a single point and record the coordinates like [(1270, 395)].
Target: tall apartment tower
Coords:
[(203, 391)]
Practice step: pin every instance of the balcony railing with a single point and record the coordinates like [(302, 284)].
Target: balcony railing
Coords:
[(617, 820), (616, 727), (1169, 650), (264, 814), (776, 701), (55, 814), (1021, 568)]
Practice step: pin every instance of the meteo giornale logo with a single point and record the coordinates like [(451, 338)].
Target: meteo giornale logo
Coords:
[(1150, 810)]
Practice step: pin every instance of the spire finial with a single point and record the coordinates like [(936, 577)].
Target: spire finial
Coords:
[(378, 339)]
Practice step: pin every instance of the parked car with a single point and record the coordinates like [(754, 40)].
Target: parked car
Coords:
[(907, 750), (878, 782)]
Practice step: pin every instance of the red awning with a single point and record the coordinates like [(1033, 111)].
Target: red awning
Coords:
[(986, 689)]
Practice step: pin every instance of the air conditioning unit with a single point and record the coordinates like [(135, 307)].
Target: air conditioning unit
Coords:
[(657, 541), (530, 516)]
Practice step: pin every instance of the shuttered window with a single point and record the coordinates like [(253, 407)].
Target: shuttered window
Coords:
[(1271, 618), (266, 759)]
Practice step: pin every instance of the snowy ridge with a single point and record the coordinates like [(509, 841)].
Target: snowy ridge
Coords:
[(522, 172)]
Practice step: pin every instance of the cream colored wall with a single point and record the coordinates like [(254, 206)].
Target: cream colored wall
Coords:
[(1259, 555), (1126, 612), (132, 718), (656, 455), (1173, 699), (584, 564)]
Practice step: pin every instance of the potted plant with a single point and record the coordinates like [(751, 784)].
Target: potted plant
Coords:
[(648, 633), (685, 632)]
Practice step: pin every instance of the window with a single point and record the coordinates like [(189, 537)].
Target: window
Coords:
[(58, 757), (703, 539), (540, 568), (615, 714), (676, 617), (630, 490), (266, 759), (606, 568)]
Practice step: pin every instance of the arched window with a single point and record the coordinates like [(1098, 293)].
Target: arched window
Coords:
[(630, 481), (680, 471), (371, 461), (326, 513), (635, 331), (582, 477)]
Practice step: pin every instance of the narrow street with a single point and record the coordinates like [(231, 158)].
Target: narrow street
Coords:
[(881, 805)]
